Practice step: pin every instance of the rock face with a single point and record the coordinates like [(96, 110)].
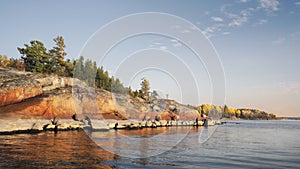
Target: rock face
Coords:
[(27, 95)]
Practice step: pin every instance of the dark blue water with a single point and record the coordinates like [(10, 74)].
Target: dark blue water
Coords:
[(236, 144)]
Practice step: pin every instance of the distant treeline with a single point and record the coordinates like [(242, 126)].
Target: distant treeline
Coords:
[(232, 113)]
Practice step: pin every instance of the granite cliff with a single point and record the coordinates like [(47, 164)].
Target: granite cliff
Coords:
[(25, 95)]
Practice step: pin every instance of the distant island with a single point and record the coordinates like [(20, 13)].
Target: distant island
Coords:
[(41, 85)]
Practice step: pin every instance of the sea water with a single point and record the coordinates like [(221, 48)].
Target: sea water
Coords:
[(235, 144)]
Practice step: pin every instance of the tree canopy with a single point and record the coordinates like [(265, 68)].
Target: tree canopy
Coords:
[(57, 57), (35, 56)]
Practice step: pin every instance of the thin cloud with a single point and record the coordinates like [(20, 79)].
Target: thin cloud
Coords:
[(217, 19), (175, 43), (297, 3), (261, 22), (239, 19), (269, 5), (163, 47), (210, 30), (226, 33), (233, 18), (247, 12)]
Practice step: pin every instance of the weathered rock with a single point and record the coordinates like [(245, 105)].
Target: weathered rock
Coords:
[(34, 125), (17, 86), (29, 95), (17, 94)]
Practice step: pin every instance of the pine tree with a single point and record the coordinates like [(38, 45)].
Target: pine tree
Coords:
[(98, 80), (154, 94), (58, 54), (89, 72), (106, 81), (69, 68), (117, 87), (35, 57), (145, 89), (130, 92), (79, 68)]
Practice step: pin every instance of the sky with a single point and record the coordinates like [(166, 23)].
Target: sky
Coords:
[(256, 42)]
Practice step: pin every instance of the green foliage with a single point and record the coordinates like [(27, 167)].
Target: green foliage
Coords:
[(85, 70), (96, 76), (69, 68), (89, 73), (35, 56), (99, 79), (130, 92), (154, 94), (57, 55), (79, 68), (145, 89), (117, 87)]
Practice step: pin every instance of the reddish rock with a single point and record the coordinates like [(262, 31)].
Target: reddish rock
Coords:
[(18, 94), (26, 95)]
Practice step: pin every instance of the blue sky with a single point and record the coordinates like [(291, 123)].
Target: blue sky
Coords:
[(257, 42)]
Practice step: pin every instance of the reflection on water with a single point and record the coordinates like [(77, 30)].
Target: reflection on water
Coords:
[(248, 144), (140, 143), (49, 150)]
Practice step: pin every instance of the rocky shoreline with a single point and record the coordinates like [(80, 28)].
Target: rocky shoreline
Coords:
[(31, 126), (28, 102)]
